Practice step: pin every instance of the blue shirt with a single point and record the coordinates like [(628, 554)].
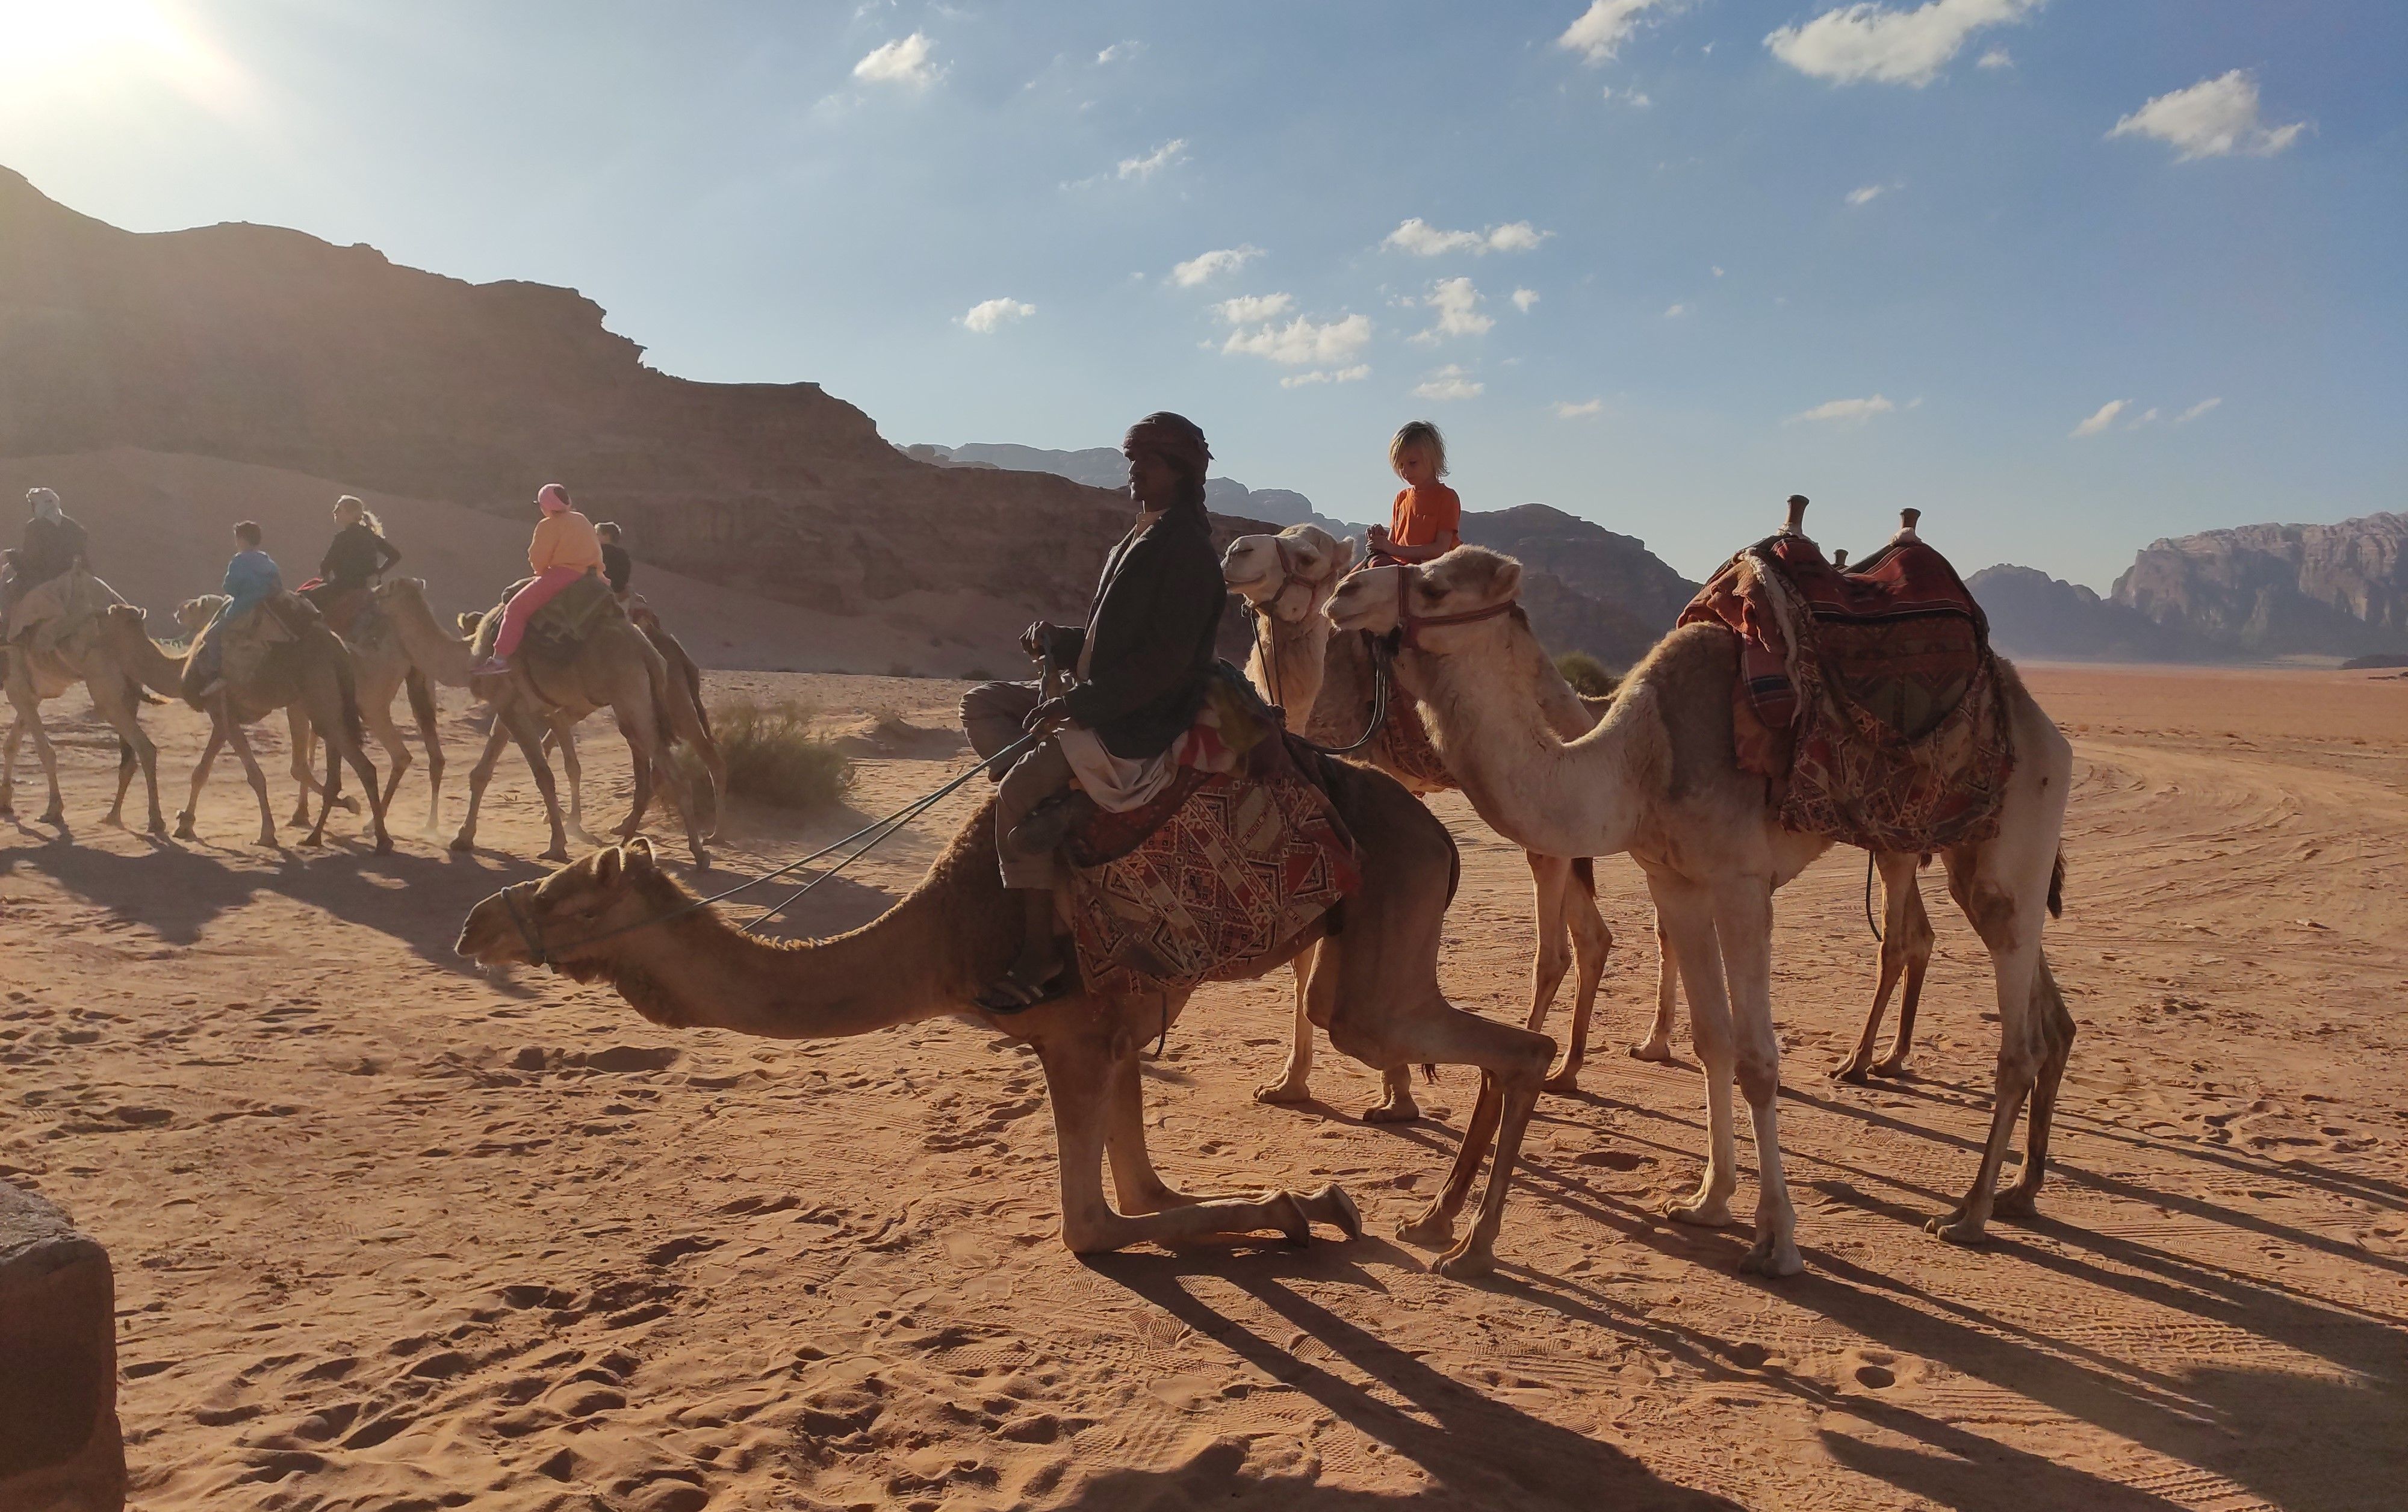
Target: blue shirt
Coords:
[(250, 578)]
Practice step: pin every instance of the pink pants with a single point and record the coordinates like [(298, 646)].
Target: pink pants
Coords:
[(524, 603)]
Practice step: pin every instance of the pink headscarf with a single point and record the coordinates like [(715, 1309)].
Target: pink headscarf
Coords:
[(553, 498)]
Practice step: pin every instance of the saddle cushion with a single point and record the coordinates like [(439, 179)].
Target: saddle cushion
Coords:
[(1246, 866), (1884, 724), (565, 621)]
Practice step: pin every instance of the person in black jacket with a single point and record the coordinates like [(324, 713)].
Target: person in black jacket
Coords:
[(618, 567), (359, 552), (1138, 673), (54, 545)]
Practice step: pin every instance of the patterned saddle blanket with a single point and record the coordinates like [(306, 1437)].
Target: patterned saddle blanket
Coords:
[(1869, 697), (565, 621), (1237, 860)]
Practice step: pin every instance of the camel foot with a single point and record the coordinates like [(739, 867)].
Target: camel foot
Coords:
[(558, 851), (1700, 1212), (1288, 1217), (1398, 1109), (184, 826), (384, 845), (463, 843), (114, 820), (1466, 1262), (348, 803), (1658, 1050), (1772, 1257), (313, 840), (266, 839), (1894, 1067), (1957, 1228), (158, 825), (1433, 1230), (2017, 1201), (55, 817), (702, 859), (1851, 1070), (1331, 1206), (1286, 1090), (1566, 1081)]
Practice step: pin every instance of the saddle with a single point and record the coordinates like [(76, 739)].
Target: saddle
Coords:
[(340, 610), (562, 623), (1239, 859), (1869, 698)]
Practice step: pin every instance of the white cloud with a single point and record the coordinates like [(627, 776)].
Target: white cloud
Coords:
[(1154, 161), (1419, 238), (1449, 382), (1718, 272), (1304, 342), (2214, 118), (1869, 41), (1675, 311), (1637, 101), (1524, 298), (2196, 410), (1867, 195), (1845, 411), (1120, 51), (1250, 309), (903, 60), (2104, 418), (1458, 304), (1205, 266), (991, 314), (2147, 416), (1324, 375), (1600, 30), (1995, 58), (1566, 409)]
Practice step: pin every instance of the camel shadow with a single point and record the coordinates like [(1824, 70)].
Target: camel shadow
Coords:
[(178, 890)]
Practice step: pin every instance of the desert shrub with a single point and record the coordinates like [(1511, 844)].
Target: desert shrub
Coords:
[(772, 755), (1586, 673)]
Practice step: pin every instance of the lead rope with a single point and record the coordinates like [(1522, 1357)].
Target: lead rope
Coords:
[(1869, 923)]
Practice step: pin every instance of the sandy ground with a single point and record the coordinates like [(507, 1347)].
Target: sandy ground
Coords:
[(389, 1234)]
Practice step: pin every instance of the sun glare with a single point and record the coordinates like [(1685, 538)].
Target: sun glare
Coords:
[(48, 46)]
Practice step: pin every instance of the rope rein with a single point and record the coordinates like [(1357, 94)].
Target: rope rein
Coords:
[(1869, 921), (878, 832)]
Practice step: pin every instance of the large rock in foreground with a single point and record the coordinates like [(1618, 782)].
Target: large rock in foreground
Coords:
[(60, 1449)]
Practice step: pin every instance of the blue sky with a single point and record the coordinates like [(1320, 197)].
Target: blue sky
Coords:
[(1889, 254)]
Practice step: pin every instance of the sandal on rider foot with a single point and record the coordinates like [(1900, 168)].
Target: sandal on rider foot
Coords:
[(1010, 994)]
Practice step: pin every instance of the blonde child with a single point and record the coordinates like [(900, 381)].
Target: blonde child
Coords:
[(1426, 519)]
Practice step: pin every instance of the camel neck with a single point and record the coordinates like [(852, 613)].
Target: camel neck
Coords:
[(698, 970), (440, 654), (1285, 666), (1491, 727)]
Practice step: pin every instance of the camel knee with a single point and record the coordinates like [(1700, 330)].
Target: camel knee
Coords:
[(1759, 1077)]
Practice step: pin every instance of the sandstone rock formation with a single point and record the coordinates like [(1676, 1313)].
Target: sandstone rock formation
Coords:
[(2040, 618), (60, 1446), (2281, 590)]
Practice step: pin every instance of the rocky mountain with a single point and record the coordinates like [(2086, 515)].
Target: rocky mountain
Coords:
[(2280, 590), (262, 346), (1615, 570), (2035, 616), (1105, 468)]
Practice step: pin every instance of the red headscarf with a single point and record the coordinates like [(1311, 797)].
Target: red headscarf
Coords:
[(1174, 437)]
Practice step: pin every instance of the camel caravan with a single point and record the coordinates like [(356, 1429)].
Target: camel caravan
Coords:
[(332, 654), (1162, 819)]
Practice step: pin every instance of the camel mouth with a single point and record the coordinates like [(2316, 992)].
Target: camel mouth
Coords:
[(1256, 586), (487, 939)]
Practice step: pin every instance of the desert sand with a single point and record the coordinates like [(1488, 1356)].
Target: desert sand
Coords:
[(390, 1233)]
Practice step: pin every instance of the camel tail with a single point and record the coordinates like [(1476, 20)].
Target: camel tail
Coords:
[(663, 726), (2057, 887)]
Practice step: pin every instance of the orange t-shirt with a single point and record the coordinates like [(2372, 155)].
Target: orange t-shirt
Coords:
[(1423, 516)]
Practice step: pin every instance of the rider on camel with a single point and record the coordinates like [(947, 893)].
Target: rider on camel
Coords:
[(359, 552), (618, 567), (54, 545), (1139, 670), (1426, 519), (563, 550)]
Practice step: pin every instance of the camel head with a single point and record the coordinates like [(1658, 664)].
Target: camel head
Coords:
[(559, 921), (1289, 575), (194, 614), (1469, 582), (409, 591)]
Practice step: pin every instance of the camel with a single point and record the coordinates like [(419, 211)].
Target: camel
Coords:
[(1326, 685), (613, 667), (381, 660), (311, 678), (1658, 777), (685, 685), (114, 657), (615, 917)]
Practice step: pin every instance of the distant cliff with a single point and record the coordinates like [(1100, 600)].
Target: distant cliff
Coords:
[(2280, 590), (2035, 616)]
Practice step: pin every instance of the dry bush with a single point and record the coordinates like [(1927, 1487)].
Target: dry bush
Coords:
[(1587, 674), (772, 755)]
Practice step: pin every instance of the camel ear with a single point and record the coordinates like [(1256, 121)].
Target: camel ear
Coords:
[(1507, 583), (1343, 557), (639, 852)]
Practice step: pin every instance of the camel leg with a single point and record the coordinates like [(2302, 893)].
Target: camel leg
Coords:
[(1684, 919), (1903, 947), (251, 771), (127, 766), (135, 748), (529, 735), (348, 750), (1141, 1190), (564, 738), (1551, 887), (2022, 1199), (1592, 944), (44, 753), (304, 739), (422, 706), (1435, 1224), (200, 776), (1919, 942), (378, 717), (2006, 912), (1658, 1046), (1294, 1079), (1396, 1104), (333, 790), (8, 763), (1743, 925), (1080, 1077), (479, 776)]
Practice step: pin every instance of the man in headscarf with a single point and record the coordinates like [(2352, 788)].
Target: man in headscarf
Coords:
[(54, 545), (1138, 672)]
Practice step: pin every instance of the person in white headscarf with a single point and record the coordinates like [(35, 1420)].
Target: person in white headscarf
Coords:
[(54, 545)]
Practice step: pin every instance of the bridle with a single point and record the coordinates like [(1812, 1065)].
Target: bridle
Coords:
[(528, 930), (1410, 625)]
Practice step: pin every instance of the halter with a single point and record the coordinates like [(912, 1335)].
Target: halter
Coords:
[(528, 930), (1410, 625)]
